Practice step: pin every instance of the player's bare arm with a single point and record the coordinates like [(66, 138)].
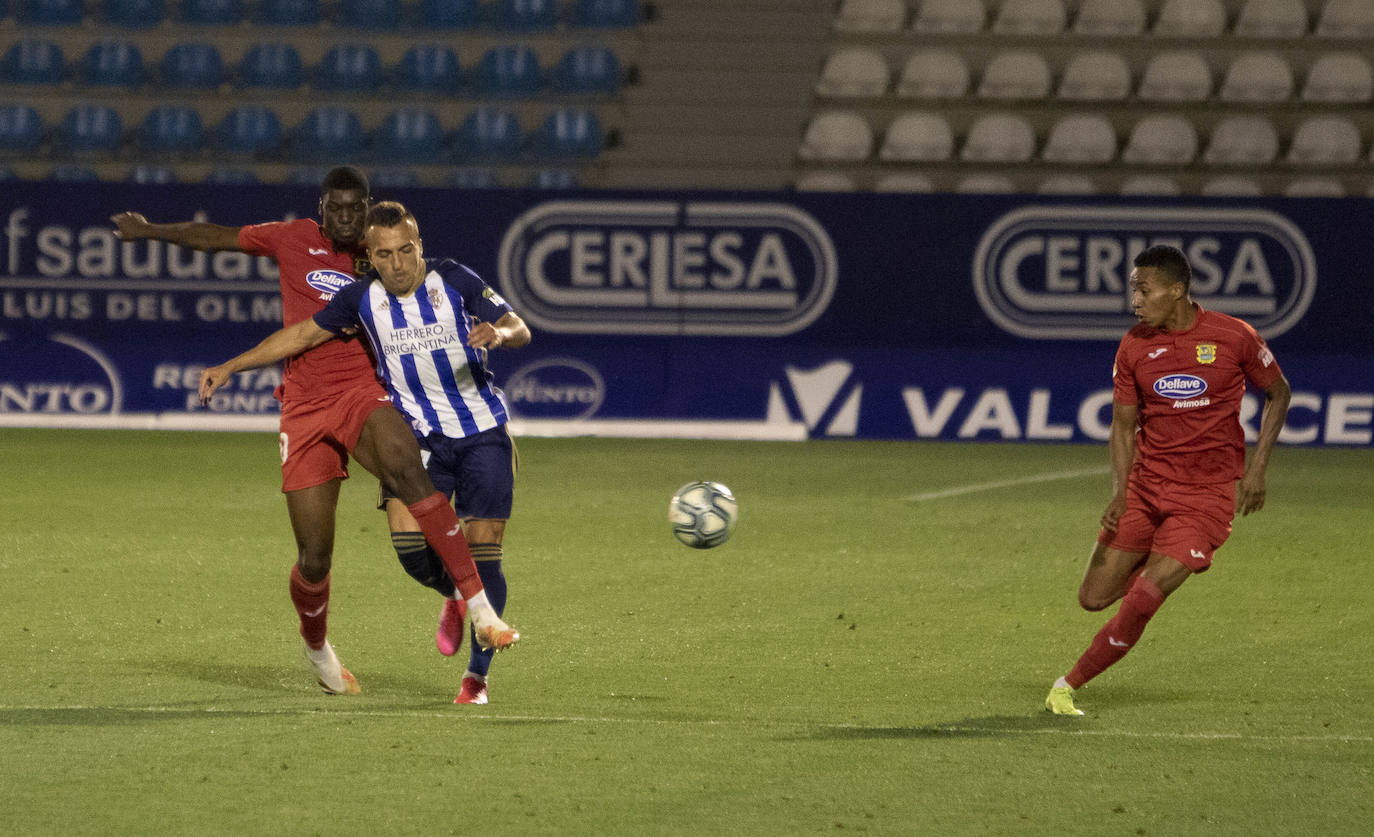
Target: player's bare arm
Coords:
[(198, 235), (1253, 486), (281, 344), (509, 332), (1121, 451)]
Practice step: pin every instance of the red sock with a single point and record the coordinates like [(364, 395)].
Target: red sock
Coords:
[(1120, 633), (312, 604), (444, 532)]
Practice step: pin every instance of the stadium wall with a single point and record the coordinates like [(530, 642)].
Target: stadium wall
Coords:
[(709, 314)]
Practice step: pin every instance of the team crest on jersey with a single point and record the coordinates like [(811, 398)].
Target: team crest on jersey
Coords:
[(361, 265), (1206, 352), (436, 299)]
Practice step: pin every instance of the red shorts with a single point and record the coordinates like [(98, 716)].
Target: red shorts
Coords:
[(1185, 522), (317, 435)]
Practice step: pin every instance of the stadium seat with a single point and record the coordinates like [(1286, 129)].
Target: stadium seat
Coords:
[(53, 12), (853, 73), (329, 132), (1325, 141), (394, 178), (68, 173), (372, 15), (21, 129), (509, 70), (134, 14), (273, 66), (950, 17), (904, 182), (305, 175), (605, 14), (474, 178), (1271, 19), (873, 16), (112, 64), (349, 68), (289, 12), (554, 179), (1242, 141), (449, 14), (1314, 187), (569, 132), (1015, 74), (1097, 76), (1150, 185), (1161, 139), (1082, 138), (825, 181), (430, 68), (587, 69), (91, 128), (1190, 19), (1257, 77), (1067, 184), (410, 134), (836, 135), (231, 177), (195, 65), (489, 133), (1231, 186), (985, 184), (145, 173), (527, 15), (34, 61), (999, 138), (1030, 17), (933, 74), (1176, 76), (249, 129), (7, 174), (1110, 18), (918, 136), (171, 129), (211, 12), (1339, 78), (1346, 19)]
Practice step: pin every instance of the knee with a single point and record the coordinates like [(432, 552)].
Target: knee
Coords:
[(1092, 602)]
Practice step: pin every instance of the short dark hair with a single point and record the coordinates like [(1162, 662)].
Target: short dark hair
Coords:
[(1167, 260), (388, 214), (345, 177)]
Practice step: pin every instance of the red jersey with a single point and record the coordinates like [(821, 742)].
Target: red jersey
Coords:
[(1187, 387), (311, 272)]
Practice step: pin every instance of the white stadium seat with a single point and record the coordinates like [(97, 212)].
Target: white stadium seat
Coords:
[(1030, 17), (1015, 74), (1067, 184), (1151, 185), (918, 136), (826, 181), (871, 16), (904, 181), (933, 74), (950, 17), (1271, 19), (1325, 141), (1190, 19), (1346, 19), (1257, 77), (1161, 139), (999, 138), (1109, 18), (837, 135), (1232, 186), (853, 73), (1083, 138), (1242, 141), (1176, 76), (1339, 78), (985, 184), (1097, 76), (1314, 187)]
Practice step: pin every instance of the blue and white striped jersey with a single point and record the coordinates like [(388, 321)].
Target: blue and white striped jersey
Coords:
[(420, 346)]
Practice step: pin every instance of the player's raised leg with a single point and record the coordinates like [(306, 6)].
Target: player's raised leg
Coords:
[(421, 564)]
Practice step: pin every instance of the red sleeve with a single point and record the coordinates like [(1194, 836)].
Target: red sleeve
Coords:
[(262, 239), (1258, 363), (1123, 375)]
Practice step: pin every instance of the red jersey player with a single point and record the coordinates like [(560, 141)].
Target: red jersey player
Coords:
[(1177, 449), (333, 405)]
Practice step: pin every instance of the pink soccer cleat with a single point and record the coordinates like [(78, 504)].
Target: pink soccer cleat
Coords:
[(449, 637)]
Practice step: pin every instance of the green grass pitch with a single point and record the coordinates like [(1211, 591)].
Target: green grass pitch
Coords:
[(867, 654)]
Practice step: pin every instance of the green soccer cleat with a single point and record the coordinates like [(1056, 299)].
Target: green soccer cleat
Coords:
[(1060, 701)]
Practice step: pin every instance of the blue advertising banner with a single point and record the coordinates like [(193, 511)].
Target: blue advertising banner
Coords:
[(745, 315)]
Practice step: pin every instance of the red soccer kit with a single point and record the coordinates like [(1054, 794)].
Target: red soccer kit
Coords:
[(1190, 446), (328, 392)]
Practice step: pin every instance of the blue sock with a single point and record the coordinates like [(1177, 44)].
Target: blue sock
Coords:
[(488, 558)]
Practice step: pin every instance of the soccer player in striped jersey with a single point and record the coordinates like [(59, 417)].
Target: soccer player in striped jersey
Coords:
[(1177, 450), (430, 325)]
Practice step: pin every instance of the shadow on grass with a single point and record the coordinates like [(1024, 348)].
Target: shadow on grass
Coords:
[(989, 727)]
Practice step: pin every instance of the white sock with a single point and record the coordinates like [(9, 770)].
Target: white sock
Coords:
[(481, 678), (1061, 683), (480, 610)]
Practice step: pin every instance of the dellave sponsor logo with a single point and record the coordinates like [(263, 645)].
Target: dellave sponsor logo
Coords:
[(1063, 272), (668, 267), (1180, 386), (556, 387), (328, 281)]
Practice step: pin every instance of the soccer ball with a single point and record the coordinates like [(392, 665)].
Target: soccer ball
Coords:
[(703, 514)]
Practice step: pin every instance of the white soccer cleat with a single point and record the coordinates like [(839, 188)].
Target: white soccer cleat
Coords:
[(330, 673), (490, 632)]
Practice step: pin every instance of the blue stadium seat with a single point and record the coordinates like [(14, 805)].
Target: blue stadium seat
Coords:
[(306, 176), (588, 69), (112, 64), (231, 177), (274, 66), (410, 134), (430, 68), (394, 179), (21, 129), (289, 12), (605, 13), (172, 129), (194, 65), (509, 69), (372, 15), (349, 68), (527, 15), (211, 12), (53, 12), (148, 173), (328, 133), (134, 14), (90, 128), (33, 61), (554, 179), (7, 173), (67, 173), (250, 129), (469, 178), (489, 133), (449, 14), (569, 133)]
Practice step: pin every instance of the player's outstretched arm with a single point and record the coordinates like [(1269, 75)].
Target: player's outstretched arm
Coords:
[(282, 343), (198, 235), (1253, 486)]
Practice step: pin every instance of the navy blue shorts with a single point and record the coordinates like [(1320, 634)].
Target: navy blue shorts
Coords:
[(476, 472)]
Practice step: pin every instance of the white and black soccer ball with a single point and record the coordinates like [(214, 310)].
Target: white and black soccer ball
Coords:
[(703, 514)]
